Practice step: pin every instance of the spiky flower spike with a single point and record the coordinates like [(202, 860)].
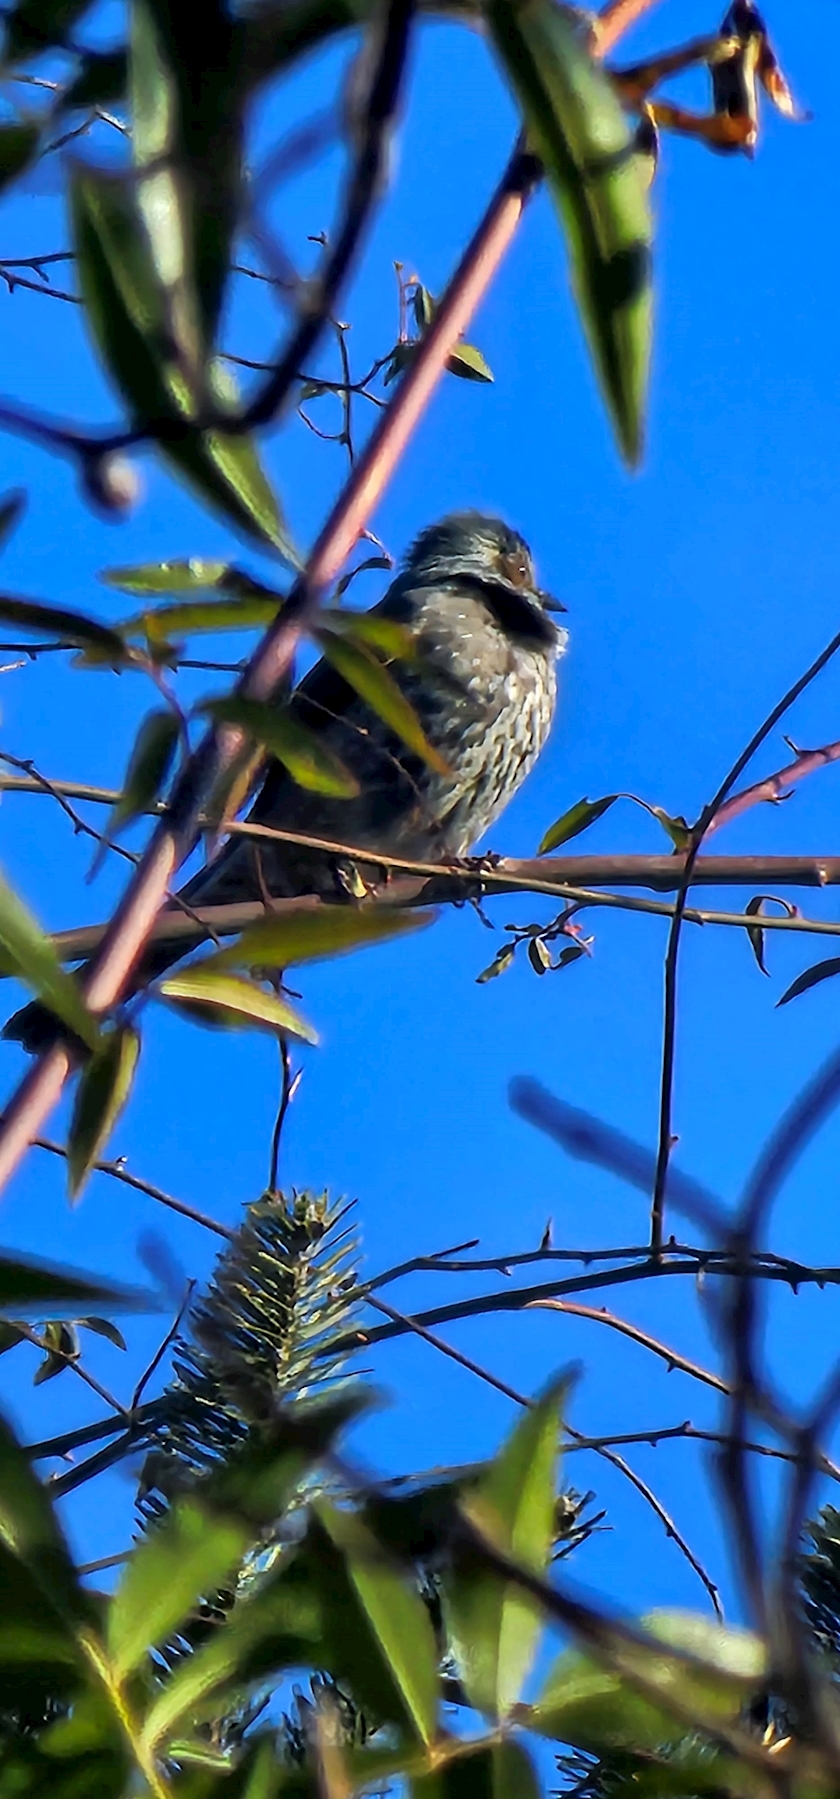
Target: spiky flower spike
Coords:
[(264, 1333)]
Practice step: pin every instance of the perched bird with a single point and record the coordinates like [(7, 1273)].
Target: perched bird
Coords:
[(483, 685)]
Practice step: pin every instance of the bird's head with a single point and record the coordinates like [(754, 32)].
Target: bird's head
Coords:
[(476, 550)]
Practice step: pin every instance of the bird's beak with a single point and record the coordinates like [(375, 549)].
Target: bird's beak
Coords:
[(551, 604)]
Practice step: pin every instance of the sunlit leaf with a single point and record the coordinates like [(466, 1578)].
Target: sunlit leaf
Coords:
[(197, 616), (578, 128), (494, 1625), (229, 1003), (193, 1555), (578, 818), (36, 963), (104, 1086), (61, 1341), (126, 307), (365, 673), (539, 955), (371, 629), (309, 761), (469, 363), (499, 1771), (295, 937), (811, 977), (395, 1613), (192, 575)]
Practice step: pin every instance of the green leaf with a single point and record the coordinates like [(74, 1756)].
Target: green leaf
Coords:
[(369, 562), (598, 1710), (195, 616), (284, 942), (10, 512), (423, 306), (469, 363), (192, 575), (365, 673), (30, 1533), (36, 963), (104, 1086), (494, 1625), (33, 26), (148, 766), (309, 761), (127, 310), (578, 818), (73, 627), (499, 965), (676, 828), (754, 909), (810, 977), (187, 133), (501, 1771), (191, 1556), (61, 1341), (27, 1285), (395, 1613), (370, 629), (18, 144), (229, 1003), (102, 1327), (578, 128)]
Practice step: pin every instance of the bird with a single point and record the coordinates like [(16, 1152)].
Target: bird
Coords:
[(482, 680)]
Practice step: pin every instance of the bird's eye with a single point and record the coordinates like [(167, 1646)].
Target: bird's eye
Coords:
[(516, 570)]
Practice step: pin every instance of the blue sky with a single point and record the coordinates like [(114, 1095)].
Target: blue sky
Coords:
[(698, 589)]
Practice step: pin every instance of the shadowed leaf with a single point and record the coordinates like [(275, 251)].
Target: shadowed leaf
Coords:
[(370, 629), (499, 964), (18, 144), (309, 761), (230, 1003), (148, 766), (73, 627), (102, 1327), (811, 977), (27, 1285), (104, 1086), (578, 128), (11, 509), (469, 363)]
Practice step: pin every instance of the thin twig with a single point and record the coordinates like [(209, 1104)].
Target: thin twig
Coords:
[(160, 1352), (118, 1172), (71, 1361), (776, 787), (709, 812), (633, 1331)]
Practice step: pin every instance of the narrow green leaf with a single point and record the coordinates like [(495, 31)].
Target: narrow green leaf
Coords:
[(30, 1286), (284, 942), (498, 966), (578, 818), (30, 1532), (811, 977), (539, 955), (370, 629), (127, 310), (494, 1625), (18, 144), (230, 1003), (102, 1327), (56, 621), (677, 828), (578, 128), (104, 1086), (148, 767), (309, 761), (600, 1711), (469, 363), (365, 673), (195, 616), (36, 963), (193, 575), (173, 1568), (11, 509), (360, 568), (396, 1614), (423, 306), (500, 1771)]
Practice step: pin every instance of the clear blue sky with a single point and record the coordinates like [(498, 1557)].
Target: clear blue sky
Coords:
[(697, 591)]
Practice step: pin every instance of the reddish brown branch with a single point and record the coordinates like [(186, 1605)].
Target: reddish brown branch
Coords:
[(774, 787)]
